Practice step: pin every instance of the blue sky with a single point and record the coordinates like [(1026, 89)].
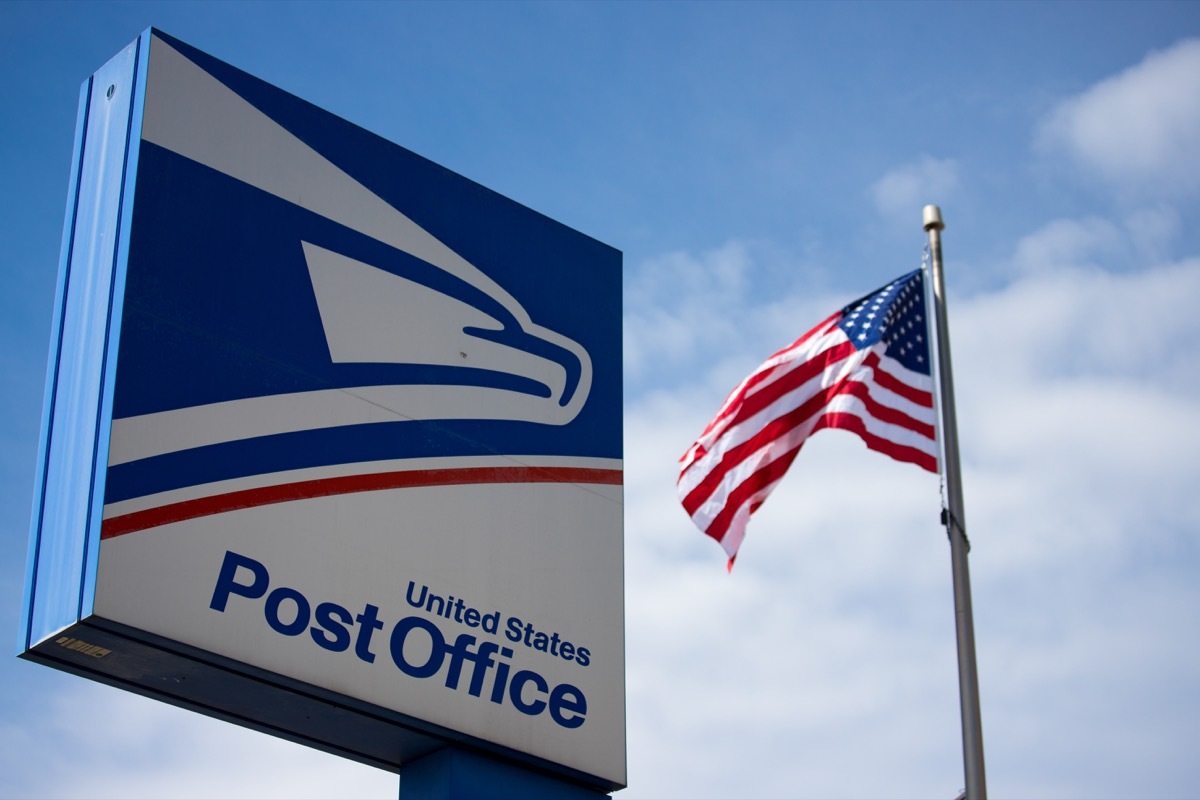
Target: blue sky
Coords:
[(759, 165)]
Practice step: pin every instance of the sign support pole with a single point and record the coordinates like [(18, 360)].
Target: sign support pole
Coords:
[(953, 517), (458, 773)]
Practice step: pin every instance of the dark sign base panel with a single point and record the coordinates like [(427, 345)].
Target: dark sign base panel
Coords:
[(184, 676)]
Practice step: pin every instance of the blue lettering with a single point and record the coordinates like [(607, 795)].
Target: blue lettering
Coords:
[(325, 615), (418, 602), (501, 677), (297, 625), (369, 622), (417, 645), (483, 660), (437, 647), (226, 585), (569, 699), (518, 686), (437, 600)]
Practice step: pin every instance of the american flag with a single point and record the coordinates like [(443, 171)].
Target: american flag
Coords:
[(864, 369)]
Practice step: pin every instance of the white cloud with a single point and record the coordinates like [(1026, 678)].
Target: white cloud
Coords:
[(1066, 242), (687, 313), (914, 185), (678, 304), (1139, 128), (92, 741), (1079, 412), (1152, 231), (1142, 237)]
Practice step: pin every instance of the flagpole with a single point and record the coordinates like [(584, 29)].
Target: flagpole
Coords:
[(955, 521)]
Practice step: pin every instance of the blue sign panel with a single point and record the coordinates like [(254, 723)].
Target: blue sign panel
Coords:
[(352, 426)]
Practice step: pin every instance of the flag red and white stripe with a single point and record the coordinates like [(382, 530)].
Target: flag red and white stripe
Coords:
[(865, 369)]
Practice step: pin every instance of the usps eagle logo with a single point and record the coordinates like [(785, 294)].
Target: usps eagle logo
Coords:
[(282, 314)]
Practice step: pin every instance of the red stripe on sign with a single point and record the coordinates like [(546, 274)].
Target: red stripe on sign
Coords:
[(349, 484)]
